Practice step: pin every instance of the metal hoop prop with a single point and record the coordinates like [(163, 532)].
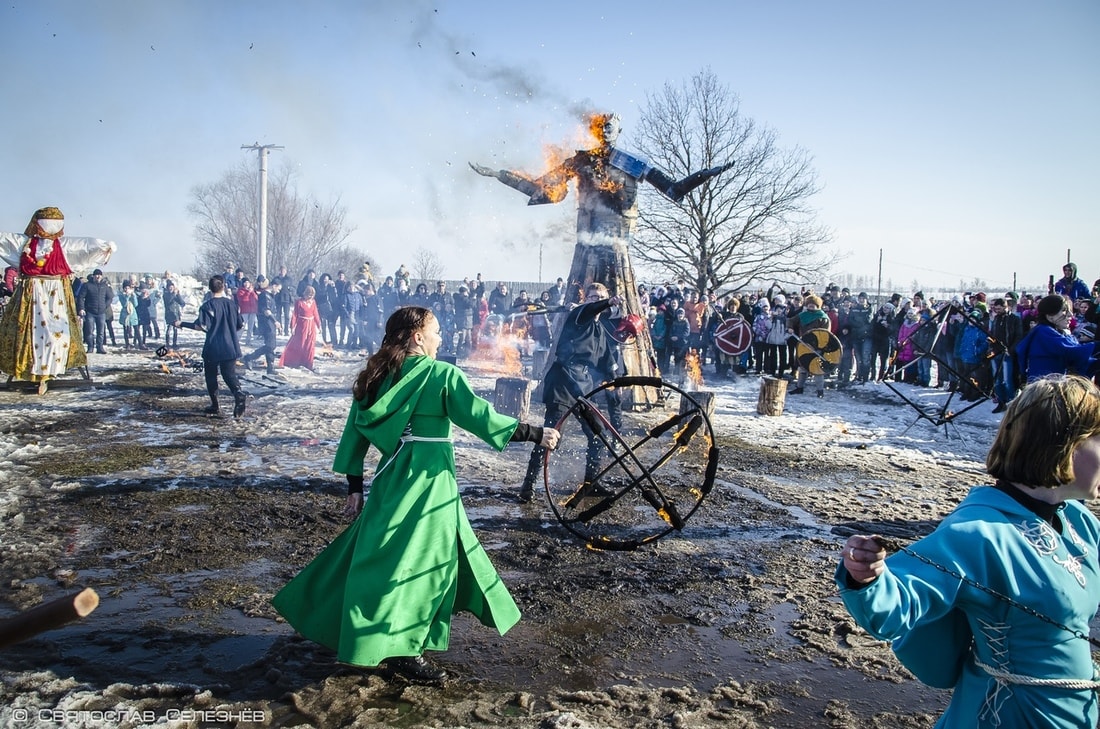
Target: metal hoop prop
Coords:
[(618, 494)]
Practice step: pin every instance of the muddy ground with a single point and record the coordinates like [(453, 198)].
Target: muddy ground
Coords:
[(186, 526)]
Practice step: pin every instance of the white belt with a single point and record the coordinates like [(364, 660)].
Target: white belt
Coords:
[(401, 443)]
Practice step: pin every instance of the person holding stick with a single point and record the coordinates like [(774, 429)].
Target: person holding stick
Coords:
[(996, 602), (385, 590)]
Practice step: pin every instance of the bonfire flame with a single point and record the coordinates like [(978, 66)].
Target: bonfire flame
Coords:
[(693, 370), (499, 347)]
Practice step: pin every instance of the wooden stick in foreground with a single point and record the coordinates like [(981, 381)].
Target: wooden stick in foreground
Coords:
[(47, 616)]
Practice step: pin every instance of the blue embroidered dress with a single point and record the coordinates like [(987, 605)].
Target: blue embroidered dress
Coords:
[(952, 634)]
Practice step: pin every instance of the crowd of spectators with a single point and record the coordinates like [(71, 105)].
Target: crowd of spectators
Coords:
[(967, 343), (352, 309)]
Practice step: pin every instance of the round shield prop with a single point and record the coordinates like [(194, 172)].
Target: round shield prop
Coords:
[(733, 336), (819, 351), (618, 480)]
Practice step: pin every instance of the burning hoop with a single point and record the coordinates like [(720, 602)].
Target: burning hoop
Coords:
[(620, 486)]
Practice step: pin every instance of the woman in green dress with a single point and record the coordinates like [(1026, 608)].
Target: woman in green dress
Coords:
[(384, 591)]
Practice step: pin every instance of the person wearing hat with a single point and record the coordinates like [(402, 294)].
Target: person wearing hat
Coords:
[(971, 348), (92, 303), (40, 335), (463, 304), (810, 317), (1070, 285), (154, 297)]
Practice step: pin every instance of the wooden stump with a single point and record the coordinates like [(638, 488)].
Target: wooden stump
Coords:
[(705, 400), (773, 395), (513, 397), (538, 363)]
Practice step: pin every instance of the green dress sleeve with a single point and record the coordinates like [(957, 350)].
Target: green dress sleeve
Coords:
[(353, 446), (475, 414)]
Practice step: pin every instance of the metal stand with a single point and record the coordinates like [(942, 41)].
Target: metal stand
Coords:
[(944, 415)]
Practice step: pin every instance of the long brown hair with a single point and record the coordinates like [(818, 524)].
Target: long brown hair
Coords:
[(400, 328)]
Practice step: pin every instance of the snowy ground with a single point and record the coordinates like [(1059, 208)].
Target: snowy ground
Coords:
[(187, 525)]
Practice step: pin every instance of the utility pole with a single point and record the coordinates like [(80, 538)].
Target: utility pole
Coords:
[(261, 246)]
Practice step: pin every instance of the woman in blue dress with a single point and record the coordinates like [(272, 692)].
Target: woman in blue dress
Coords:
[(1050, 348), (996, 602)]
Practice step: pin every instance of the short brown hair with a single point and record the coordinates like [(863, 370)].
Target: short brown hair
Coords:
[(597, 287), (1042, 427)]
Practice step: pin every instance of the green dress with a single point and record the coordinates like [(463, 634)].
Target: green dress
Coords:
[(389, 584)]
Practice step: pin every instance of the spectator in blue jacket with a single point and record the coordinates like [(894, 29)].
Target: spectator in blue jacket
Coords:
[(1071, 286), (1049, 348)]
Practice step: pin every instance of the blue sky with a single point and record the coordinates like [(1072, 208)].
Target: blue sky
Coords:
[(958, 137)]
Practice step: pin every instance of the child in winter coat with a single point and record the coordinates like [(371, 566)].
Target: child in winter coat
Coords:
[(128, 315), (907, 350)]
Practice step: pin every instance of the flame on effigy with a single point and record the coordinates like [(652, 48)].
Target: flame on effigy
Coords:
[(554, 183)]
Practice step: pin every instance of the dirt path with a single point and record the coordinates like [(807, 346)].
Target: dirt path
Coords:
[(186, 526)]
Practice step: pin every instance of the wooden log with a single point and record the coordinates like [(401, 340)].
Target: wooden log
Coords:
[(704, 398), (538, 363), (48, 616), (513, 397), (773, 395)]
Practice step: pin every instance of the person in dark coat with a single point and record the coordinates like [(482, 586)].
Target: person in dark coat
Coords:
[(173, 311), (221, 320), (267, 324), (285, 300), (1007, 330), (584, 348), (464, 319), (93, 303)]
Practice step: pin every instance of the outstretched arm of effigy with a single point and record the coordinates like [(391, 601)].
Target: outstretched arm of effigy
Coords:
[(11, 247), (87, 253), (550, 188), (676, 190)]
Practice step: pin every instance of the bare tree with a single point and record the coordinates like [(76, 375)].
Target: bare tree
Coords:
[(302, 232), (753, 223), (426, 265)]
